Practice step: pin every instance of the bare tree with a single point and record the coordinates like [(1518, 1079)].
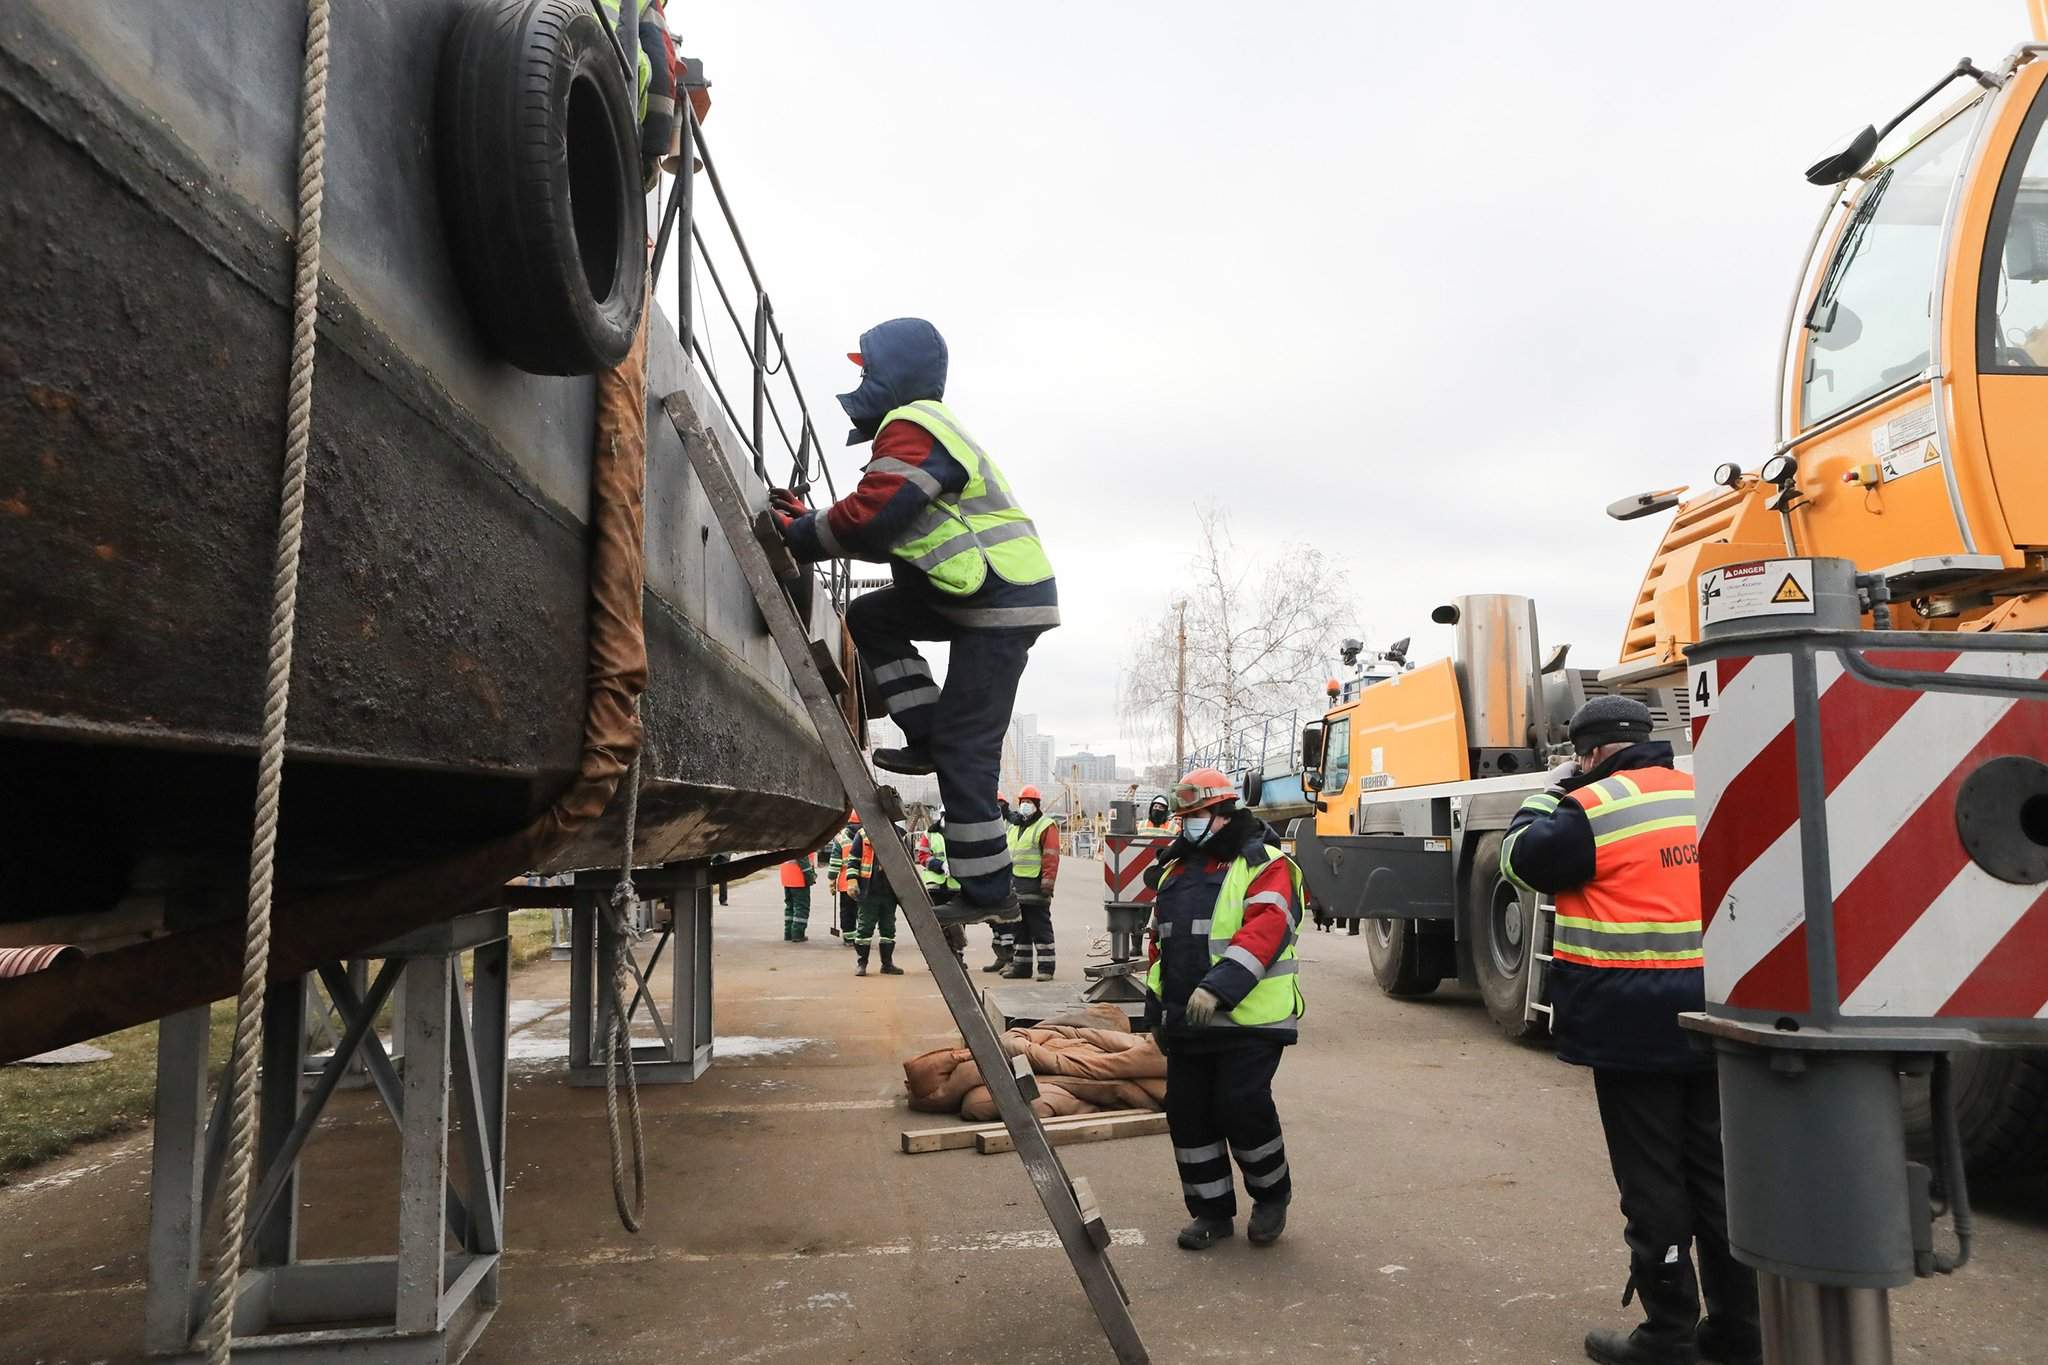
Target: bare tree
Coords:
[(1258, 630)]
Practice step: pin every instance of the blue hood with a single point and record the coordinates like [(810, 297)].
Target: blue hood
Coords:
[(902, 360)]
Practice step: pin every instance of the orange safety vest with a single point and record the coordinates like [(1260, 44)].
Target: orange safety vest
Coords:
[(1642, 907), (793, 872)]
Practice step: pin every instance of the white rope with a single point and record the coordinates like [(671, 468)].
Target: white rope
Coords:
[(623, 914), (218, 1332)]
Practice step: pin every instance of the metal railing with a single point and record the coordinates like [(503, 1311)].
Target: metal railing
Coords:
[(772, 378), (1271, 744)]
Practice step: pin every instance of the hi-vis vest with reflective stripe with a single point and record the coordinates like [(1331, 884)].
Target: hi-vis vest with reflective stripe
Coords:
[(1642, 908), (956, 541), (1276, 1001), (1027, 848), (938, 850)]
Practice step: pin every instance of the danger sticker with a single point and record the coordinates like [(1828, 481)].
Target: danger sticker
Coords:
[(1762, 587), (1905, 444)]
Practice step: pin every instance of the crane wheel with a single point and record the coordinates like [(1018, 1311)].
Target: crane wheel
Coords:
[(1499, 923), (2002, 1114), (1400, 958)]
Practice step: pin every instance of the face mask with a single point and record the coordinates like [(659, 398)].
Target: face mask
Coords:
[(1028, 810), (1195, 828)]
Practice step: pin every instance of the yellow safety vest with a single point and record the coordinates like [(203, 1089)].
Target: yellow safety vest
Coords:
[(937, 879), (1276, 1002), (645, 75), (1027, 855), (957, 540)]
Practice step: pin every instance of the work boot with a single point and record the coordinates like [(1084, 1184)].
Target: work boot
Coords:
[(1045, 971), (889, 967), (1019, 968), (1636, 1348), (1003, 956), (1735, 1346), (1203, 1233), (961, 910), (860, 959), (912, 760), (1267, 1222)]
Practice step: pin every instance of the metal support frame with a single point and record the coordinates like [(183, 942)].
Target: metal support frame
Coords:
[(424, 1305), (1082, 1233), (679, 901)]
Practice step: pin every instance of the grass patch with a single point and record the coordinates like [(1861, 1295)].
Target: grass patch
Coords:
[(45, 1111)]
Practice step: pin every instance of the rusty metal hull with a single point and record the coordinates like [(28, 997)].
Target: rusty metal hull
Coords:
[(439, 684)]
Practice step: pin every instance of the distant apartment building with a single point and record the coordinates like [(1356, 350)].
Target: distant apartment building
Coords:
[(1034, 751), (1085, 767)]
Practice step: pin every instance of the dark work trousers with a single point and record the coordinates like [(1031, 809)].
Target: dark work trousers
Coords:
[(1034, 932), (961, 725), (849, 915), (1664, 1140), (1219, 1104)]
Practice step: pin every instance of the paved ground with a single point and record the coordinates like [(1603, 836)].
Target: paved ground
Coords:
[(1454, 1201)]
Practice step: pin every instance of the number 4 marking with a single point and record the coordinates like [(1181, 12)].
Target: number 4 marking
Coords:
[(1700, 684)]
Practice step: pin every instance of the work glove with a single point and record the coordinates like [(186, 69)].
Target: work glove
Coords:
[(1201, 1007), (1561, 774), (782, 500), (783, 521)]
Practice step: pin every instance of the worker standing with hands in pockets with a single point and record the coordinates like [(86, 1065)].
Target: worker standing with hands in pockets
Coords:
[(1614, 841), (1223, 999)]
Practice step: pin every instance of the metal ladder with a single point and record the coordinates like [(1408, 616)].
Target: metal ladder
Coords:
[(1069, 1203), (1542, 931)]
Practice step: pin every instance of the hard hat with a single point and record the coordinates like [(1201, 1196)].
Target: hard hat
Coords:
[(1029, 794), (1203, 789), (853, 817), (1609, 720), (854, 356)]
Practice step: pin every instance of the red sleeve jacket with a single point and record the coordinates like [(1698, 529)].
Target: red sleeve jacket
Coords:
[(906, 471)]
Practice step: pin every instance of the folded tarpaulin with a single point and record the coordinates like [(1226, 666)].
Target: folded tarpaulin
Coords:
[(1080, 1068)]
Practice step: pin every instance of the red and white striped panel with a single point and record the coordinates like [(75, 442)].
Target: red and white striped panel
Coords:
[(1124, 860), (1920, 929)]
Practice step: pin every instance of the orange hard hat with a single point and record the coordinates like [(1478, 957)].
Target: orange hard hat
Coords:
[(1029, 794), (1202, 789), (853, 817), (854, 356)]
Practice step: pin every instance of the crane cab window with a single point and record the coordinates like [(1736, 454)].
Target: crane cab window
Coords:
[(1869, 328), (2012, 311), (1337, 755)]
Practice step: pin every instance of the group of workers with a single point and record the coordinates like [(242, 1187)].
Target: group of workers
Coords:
[(1612, 839)]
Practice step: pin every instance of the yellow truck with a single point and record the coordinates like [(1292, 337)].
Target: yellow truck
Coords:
[(1912, 439)]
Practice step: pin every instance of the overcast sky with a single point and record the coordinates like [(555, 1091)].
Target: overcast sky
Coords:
[(1427, 285)]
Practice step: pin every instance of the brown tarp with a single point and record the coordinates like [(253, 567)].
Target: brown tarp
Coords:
[(1080, 1068), (132, 985)]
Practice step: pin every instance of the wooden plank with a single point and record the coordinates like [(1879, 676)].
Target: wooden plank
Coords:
[(957, 1137), (1092, 1128)]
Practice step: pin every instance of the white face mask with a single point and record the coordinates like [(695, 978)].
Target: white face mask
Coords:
[(1195, 828), (1027, 809)]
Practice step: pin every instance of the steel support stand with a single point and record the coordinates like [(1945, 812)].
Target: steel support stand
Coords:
[(1073, 1212), (427, 1303), (1817, 1324), (677, 901)]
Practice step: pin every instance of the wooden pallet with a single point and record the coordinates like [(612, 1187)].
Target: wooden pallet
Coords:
[(957, 1137)]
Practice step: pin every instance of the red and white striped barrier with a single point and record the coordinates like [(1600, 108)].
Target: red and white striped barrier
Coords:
[(1125, 858), (1919, 929)]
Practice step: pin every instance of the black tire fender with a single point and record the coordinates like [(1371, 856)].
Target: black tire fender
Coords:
[(539, 172)]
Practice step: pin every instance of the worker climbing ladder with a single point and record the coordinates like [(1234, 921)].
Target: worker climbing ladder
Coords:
[(1068, 1202)]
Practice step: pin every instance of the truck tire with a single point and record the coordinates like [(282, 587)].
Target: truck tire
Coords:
[(1399, 961), (2002, 1113), (1498, 924), (539, 173)]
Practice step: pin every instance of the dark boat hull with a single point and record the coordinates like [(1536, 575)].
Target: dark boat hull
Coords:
[(439, 682)]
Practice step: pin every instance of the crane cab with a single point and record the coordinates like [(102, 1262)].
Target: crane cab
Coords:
[(1913, 390)]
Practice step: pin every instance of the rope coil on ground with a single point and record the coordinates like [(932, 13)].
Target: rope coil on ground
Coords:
[(623, 915), (218, 1332)]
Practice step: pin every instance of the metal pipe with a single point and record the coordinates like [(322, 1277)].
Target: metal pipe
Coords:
[(686, 172), (1948, 1142), (1816, 1324), (761, 381)]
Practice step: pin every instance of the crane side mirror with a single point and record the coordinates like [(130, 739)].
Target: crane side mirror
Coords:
[(1851, 156), (1644, 504), (1312, 751), (1445, 615), (1254, 783)]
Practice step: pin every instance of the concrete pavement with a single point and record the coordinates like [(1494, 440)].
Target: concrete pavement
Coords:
[(1454, 1203)]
